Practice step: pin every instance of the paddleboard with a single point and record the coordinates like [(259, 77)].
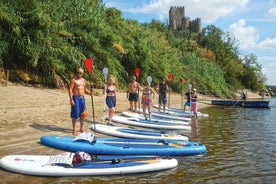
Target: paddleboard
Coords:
[(122, 146), (169, 119), (150, 124), (65, 165), (136, 133), (179, 112)]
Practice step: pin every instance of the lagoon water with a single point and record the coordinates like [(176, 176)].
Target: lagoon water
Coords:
[(241, 148)]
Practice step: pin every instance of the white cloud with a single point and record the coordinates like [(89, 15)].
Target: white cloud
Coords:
[(208, 11), (272, 12), (246, 35), (269, 70), (268, 43)]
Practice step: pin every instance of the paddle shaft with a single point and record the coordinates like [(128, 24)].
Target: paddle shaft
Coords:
[(92, 101)]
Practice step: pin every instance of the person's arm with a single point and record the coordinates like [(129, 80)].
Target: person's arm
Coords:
[(139, 87), (153, 93), (127, 92), (157, 89), (70, 91), (115, 94), (87, 91), (167, 87)]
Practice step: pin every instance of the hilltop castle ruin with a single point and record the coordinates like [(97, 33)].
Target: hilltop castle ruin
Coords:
[(178, 21)]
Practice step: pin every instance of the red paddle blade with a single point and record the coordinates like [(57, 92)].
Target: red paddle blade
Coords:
[(170, 77), (137, 72), (88, 64)]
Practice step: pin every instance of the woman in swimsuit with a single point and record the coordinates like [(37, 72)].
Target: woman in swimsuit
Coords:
[(110, 91), (147, 100), (194, 102)]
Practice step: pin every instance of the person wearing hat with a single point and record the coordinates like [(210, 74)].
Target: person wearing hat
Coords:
[(194, 102), (162, 91)]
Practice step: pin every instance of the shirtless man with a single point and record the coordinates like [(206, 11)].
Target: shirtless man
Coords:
[(77, 89), (132, 94)]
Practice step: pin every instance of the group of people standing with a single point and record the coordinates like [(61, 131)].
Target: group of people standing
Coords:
[(77, 90)]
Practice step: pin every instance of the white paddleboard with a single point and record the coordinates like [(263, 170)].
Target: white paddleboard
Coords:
[(179, 112), (151, 124), (165, 118), (60, 165), (136, 133), (161, 116)]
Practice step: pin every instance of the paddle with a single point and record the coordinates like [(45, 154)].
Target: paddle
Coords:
[(170, 79), (118, 160), (190, 90), (105, 72), (180, 82), (137, 73), (149, 80), (88, 65)]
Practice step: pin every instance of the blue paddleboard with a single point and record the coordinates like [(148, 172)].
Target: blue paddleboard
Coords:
[(122, 146)]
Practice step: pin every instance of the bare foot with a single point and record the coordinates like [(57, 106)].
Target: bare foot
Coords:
[(75, 133)]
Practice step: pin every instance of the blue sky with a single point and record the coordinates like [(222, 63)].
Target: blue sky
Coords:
[(251, 22)]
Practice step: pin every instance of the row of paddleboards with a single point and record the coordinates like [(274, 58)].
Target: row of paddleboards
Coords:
[(125, 156), (163, 128), (132, 151)]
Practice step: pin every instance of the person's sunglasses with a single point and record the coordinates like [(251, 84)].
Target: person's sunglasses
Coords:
[(79, 72)]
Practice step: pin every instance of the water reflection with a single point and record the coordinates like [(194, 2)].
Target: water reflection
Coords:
[(195, 130)]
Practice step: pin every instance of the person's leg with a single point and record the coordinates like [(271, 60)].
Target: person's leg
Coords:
[(81, 125), (131, 106), (135, 106), (74, 132), (111, 113), (149, 111), (144, 111), (195, 110), (160, 103), (164, 103)]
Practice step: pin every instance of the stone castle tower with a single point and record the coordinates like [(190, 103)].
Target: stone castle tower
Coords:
[(178, 21)]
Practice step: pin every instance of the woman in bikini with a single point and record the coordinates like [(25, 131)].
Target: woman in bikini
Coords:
[(147, 100), (110, 91)]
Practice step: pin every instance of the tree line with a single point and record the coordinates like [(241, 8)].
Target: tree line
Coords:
[(44, 41)]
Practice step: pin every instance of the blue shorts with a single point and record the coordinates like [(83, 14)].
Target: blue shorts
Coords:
[(110, 101), (187, 103), (162, 99), (78, 108)]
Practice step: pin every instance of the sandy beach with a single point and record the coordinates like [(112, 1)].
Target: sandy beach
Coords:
[(27, 113)]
